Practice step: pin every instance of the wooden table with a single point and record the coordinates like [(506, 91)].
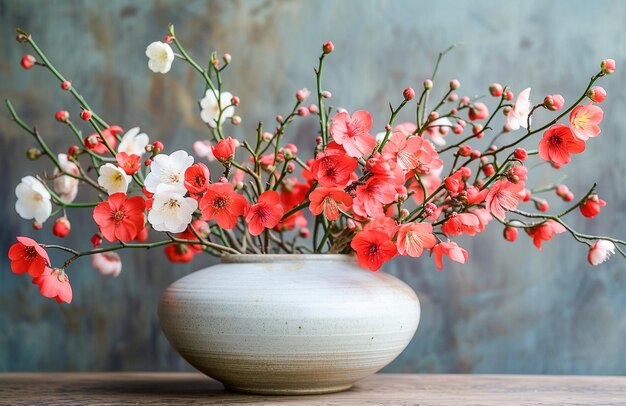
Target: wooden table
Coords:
[(381, 389)]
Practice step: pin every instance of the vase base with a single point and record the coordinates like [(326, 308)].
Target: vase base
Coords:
[(287, 391)]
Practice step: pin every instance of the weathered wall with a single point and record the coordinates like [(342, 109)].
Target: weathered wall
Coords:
[(511, 309)]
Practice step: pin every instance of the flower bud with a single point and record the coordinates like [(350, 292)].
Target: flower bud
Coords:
[(328, 47), (429, 209), (313, 109), (597, 94), (302, 94), (66, 85), (554, 102), (600, 252), (496, 89), (457, 129), (591, 206), (508, 95), (465, 150), (224, 150), (454, 84), (85, 115), (510, 233), (404, 213), (488, 170), (61, 227), (21, 38), (475, 154), (28, 61), (148, 162), (521, 154), (279, 118), (235, 120), (428, 84), (478, 111), (234, 101), (73, 151), (267, 137), (291, 167), (453, 97), (433, 116), (33, 153), (169, 39), (96, 240), (408, 93), (157, 148), (226, 58), (569, 196), (464, 100), (542, 205), (37, 225), (326, 94), (477, 130), (607, 66), (62, 116), (303, 111), (561, 190), (304, 232)]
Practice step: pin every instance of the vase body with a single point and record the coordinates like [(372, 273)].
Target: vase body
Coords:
[(289, 324)]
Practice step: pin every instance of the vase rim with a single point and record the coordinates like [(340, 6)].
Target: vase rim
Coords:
[(264, 258)]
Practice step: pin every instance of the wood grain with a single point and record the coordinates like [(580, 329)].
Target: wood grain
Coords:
[(380, 389)]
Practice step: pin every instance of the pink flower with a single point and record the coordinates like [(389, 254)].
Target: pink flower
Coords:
[(329, 201), (451, 250), (597, 94), (558, 143), (502, 196), (266, 213), (404, 151), (544, 232), (584, 121), (607, 66), (27, 255), (478, 111), (458, 224), (413, 238), (600, 252), (554, 102), (352, 133), (373, 248), (54, 283), (107, 263), (374, 194), (203, 149)]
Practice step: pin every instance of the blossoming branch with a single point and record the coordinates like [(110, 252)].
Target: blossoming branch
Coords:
[(378, 195)]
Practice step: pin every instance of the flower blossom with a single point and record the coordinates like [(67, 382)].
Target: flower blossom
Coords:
[(65, 186), (33, 200), (221, 203), (120, 218), (197, 178), (600, 252), (27, 255), (130, 164), (333, 167), (329, 201), (133, 142), (224, 150), (266, 213), (107, 263), (95, 143), (459, 223), (591, 206), (451, 250), (518, 115), (352, 133), (373, 248), (502, 196), (371, 197), (171, 211), (55, 284), (210, 107), (585, 120), (544, 232), (167, 173), (558, 143), (405, 151), (413, 238), (160, 56), (113, 179)]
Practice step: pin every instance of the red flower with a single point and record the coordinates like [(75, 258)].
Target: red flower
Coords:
[(129, 163), (592, 206), (197, 178), (27, 255), (119, 218), (458, 224), (544, 232), (451, 250), (413, 238), (265, 214), (54, 283), (222, 203), (224, 150), (95, 143), (292, 194), (502, 196), (373, 195), (353, 133), (558, 143), (333, 167), (405, 151), (179, 253), (329, 201), (373, 248)]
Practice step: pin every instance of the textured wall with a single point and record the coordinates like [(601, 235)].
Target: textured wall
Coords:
[(511, 309)]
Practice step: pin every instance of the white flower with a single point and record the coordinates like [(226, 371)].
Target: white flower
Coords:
[(211, 109), (161, 57), (107, 263), (113, 179), (600, 252), (171, 212), (33, 200), (66, 186), (203, 149), (518, 116), (133, 142), (167, 173)]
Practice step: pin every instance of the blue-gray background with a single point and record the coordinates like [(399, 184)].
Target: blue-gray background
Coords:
[(510, 309)]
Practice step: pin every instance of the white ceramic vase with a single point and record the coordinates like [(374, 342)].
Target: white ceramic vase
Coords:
[(289, 324)]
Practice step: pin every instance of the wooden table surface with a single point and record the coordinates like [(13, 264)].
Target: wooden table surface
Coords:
[(380, 389)]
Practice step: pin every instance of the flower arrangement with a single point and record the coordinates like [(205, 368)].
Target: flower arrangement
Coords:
[(378, 196)]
